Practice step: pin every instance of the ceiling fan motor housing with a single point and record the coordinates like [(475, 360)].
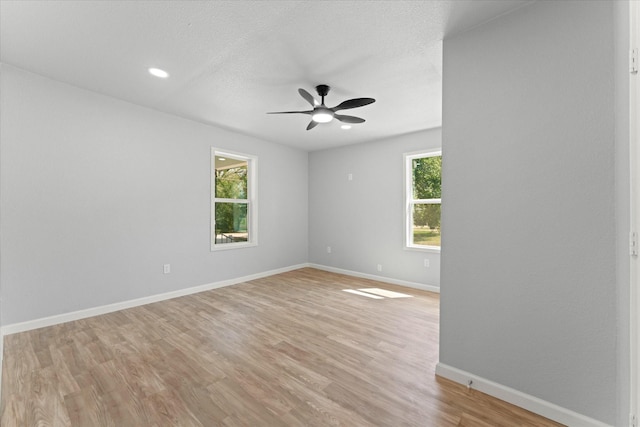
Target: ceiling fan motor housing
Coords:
[(323, 90)]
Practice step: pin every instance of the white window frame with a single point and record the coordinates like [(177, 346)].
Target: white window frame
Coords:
[(251, 200), (410, 201)]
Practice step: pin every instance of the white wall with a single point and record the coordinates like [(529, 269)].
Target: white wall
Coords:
[(97, 194), (528, 294), (362, 219)]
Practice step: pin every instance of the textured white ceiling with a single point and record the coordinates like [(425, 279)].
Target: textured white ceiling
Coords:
[(233, 61)]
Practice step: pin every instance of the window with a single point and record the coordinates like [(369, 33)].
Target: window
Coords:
[(233, 200), (423, 173)]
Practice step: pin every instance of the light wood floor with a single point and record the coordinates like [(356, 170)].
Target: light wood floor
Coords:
[(288, 350)]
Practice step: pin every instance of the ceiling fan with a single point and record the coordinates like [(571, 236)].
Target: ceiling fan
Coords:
[(323, 114)]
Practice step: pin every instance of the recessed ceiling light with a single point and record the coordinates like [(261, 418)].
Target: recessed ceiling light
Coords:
[(222, 159), (158, 73), (346, 127)]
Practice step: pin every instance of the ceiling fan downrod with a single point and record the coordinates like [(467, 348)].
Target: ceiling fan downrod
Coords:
[(322, 90)]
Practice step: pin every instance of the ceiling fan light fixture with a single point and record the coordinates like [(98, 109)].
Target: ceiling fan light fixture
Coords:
[(322, 115)]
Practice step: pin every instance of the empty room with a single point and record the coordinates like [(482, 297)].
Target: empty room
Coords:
[(319, 213)]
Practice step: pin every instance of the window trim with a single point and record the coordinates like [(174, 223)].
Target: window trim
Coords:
[(409, 201), (251, 200)]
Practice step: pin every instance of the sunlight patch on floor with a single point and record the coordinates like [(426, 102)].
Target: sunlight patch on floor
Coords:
[(364, 294), (385, 293), (377, 293)]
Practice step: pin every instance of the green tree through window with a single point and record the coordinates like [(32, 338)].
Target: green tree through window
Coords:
[(231, 183)]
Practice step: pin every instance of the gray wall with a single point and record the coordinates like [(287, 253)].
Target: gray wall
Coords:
[(362, 219), (621, 19), (97, 194), (528, 295), (1, 254)]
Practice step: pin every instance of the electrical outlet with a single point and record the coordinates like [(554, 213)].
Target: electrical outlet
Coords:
[(379, 267), (426, 263), (350, 177), (167, 268), (328, 249)]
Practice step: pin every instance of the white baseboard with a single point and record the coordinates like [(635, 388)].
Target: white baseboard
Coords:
[(109, 308), (406, 283), (523, 400)]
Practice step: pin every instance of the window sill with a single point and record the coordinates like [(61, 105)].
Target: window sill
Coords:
[(229, 246), (420, 248)]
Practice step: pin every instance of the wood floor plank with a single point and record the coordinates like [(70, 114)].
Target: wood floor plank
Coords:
[(123, 410), (287, 350), (13, 411), (200, 403), (87, 408), (170, 410)]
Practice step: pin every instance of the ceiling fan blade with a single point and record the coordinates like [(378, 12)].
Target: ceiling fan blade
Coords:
[(291, 112), (306, 95), (353, 103), (348, 119), (312, 124)]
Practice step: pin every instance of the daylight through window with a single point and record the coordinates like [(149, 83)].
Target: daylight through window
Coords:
[(423, 197), (233, 207)]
